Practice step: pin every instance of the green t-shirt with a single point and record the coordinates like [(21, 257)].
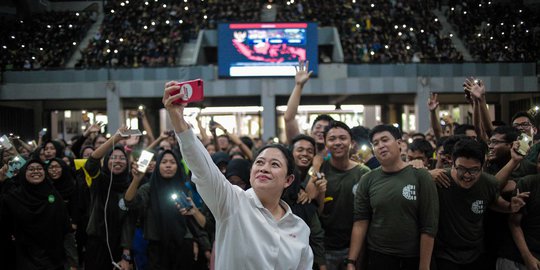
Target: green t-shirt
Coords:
[(337, 216), (461, 231), (530, 223), (400, 207), (533, 153)]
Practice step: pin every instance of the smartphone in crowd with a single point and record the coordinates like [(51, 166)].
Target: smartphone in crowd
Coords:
[(144, 161), (130, 132), (15, 165), (524, 144), (4, 141), (192, 91), (181, 199)]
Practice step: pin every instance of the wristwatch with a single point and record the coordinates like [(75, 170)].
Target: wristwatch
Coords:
[(349, 261), (126, 257)]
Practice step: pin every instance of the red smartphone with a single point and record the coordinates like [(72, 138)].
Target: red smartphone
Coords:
[(192, 91)]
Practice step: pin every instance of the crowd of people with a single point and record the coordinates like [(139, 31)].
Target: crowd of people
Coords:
[(151, 33), (497, 32), (379, 31), (458, 197), (42, 41)]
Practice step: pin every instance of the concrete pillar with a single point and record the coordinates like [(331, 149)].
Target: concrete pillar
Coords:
[(114, 108), (38, 118), (268, 102), (421, 109), (370, 116)]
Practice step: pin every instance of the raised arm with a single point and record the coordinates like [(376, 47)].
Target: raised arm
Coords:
[(433, 104), (109, 144), (236, 140), (477, 122), (477, 90), (302, 76), (164, 135), (504, 174), (147, 127), (204, 136), (215, 189)]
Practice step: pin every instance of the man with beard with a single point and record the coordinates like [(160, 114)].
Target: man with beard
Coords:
[(396, 209), (343, 176)]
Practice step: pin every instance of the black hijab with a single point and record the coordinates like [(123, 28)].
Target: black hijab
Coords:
[(65, 185), (171, 223), (40, 217), (58, 146), (120, 183)]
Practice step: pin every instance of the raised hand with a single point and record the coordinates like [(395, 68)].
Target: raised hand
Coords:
[(433, 103), (168, 98), (440, 178), (303, 197), (475, 87), (302, 74), (518, 201)]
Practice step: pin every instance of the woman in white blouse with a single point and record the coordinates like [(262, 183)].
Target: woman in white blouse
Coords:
[(255, 229)]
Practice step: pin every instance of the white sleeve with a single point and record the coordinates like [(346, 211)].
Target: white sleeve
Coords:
[(217, 193), (306, 261)]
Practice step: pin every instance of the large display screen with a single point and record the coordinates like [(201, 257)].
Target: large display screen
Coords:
[(266, 49)]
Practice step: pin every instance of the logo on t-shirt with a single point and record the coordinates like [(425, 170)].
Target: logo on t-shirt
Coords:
[(478, 207), (354, 188), (409, 192)]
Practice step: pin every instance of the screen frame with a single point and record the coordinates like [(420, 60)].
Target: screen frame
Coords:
[(312, 50)]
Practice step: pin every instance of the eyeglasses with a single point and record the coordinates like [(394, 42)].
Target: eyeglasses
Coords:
[(472, 171), (35, 169), (522, 125), (495, 142)]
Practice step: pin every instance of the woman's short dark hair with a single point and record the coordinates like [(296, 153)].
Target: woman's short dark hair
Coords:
[(285, 151)]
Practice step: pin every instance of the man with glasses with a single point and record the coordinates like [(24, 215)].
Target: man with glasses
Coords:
[(525, 123), (460, 240)]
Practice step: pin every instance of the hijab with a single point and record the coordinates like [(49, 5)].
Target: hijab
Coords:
[(41, 218), (171, 223), (99, 190), (65, 185)]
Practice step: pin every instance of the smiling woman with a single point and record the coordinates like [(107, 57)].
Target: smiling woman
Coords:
[(255, 229), (37, 217)]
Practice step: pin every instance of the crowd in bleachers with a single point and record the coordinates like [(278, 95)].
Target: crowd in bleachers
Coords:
[(443, 197), (40, 41), (151, 33), (497, 32), (379, 31)]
